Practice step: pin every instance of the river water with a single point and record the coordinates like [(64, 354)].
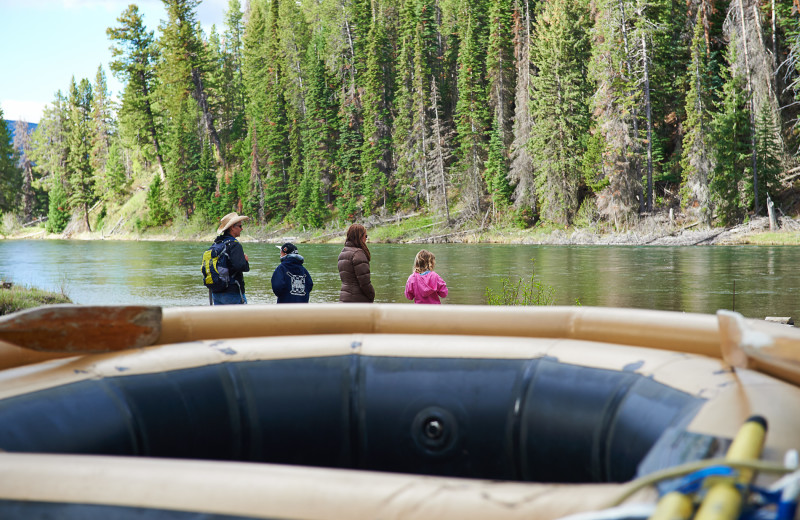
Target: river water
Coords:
[(757, 281)]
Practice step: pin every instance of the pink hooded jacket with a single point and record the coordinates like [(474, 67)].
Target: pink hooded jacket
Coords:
[(425, 288)]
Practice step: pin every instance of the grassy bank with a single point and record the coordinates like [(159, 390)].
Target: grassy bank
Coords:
[(772, 238), (17, 298)]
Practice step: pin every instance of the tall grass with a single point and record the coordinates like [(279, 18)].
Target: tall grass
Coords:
[(523, 292), (17, 298)]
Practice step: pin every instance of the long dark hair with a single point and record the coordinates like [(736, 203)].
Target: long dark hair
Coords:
[(357, 235)]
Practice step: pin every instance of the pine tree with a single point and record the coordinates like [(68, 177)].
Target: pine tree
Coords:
[(560, 106), (184, 147), (697, 156), (58, 213), (496, 173), (293, 37), (614, 107), (348, 162), (206, 184), (117, 179), (49, 153), (80, 173), (134, 52), (769, 153), (376, 153), (23, 145), (500, 69), (275, 137), (102, 131), (319, 141), (183, 67), (521, 173), (669, 69), (10, 173), (732, 152), (157, 213), (278, 156), (256, 73), (295, 170), (232, 91), (350, 56), (472, 116), (441, 151), (423, 43), (214, 82), (404, 138)]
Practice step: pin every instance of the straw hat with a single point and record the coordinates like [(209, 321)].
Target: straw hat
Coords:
[(229, 220)]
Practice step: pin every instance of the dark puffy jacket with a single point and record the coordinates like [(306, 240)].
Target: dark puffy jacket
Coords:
[(354, 272), (238, 264), (291, 282)]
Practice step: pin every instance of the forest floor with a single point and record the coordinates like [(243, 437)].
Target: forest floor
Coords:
[(656, 230)]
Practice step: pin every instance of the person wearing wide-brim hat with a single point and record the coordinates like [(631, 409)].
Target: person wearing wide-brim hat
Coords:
[(230, 227)]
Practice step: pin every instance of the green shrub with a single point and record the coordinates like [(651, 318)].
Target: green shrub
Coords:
[(524, 217)]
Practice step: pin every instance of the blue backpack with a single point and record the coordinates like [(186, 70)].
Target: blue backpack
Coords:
[(216, 267)]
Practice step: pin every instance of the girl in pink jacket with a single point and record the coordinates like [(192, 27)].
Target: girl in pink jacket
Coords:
[(425, 286)]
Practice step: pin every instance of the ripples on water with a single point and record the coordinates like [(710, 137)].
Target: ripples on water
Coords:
[(690, 279)]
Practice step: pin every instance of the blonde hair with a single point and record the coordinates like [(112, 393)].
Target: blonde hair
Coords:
[(424, 261)]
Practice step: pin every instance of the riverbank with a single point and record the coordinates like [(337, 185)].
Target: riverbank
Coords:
[(16, 298), (656, 230)]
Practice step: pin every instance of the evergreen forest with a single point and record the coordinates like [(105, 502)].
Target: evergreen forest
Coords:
[(304, 113)]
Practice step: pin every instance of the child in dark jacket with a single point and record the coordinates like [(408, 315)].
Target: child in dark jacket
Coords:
[(424, 285), (291, 282)]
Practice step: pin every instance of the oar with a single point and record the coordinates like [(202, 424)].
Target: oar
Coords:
[(82, 328)]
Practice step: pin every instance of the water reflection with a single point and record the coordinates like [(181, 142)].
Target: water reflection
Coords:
[(690, 279)]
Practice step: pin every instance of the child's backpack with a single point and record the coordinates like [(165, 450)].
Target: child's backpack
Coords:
[(215, 268)]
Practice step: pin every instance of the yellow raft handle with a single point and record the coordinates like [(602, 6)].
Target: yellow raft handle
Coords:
[(723, 501)]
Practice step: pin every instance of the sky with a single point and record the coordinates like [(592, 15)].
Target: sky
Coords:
[(44, 43)]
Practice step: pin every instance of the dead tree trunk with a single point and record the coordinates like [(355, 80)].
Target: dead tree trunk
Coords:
[(634, 114), (648, 111), (752, 108), (437, 125), (200, 96)]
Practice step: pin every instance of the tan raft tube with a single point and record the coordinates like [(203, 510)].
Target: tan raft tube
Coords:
[(745, 343), (275, 491), (286, 492)]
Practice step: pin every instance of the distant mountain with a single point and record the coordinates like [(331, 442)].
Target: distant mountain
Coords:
[(12, 127)]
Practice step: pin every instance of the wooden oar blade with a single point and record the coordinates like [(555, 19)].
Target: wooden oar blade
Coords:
[(82, 328)]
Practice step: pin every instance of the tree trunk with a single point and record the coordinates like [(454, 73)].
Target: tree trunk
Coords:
[(649, 125), (773, 222), (752, 109), (86, 216), (439, 144), (424, 150), (208, 120), (634, 114), (774, 36)]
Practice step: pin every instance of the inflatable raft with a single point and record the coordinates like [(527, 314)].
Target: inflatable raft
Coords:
[(400, 411)]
